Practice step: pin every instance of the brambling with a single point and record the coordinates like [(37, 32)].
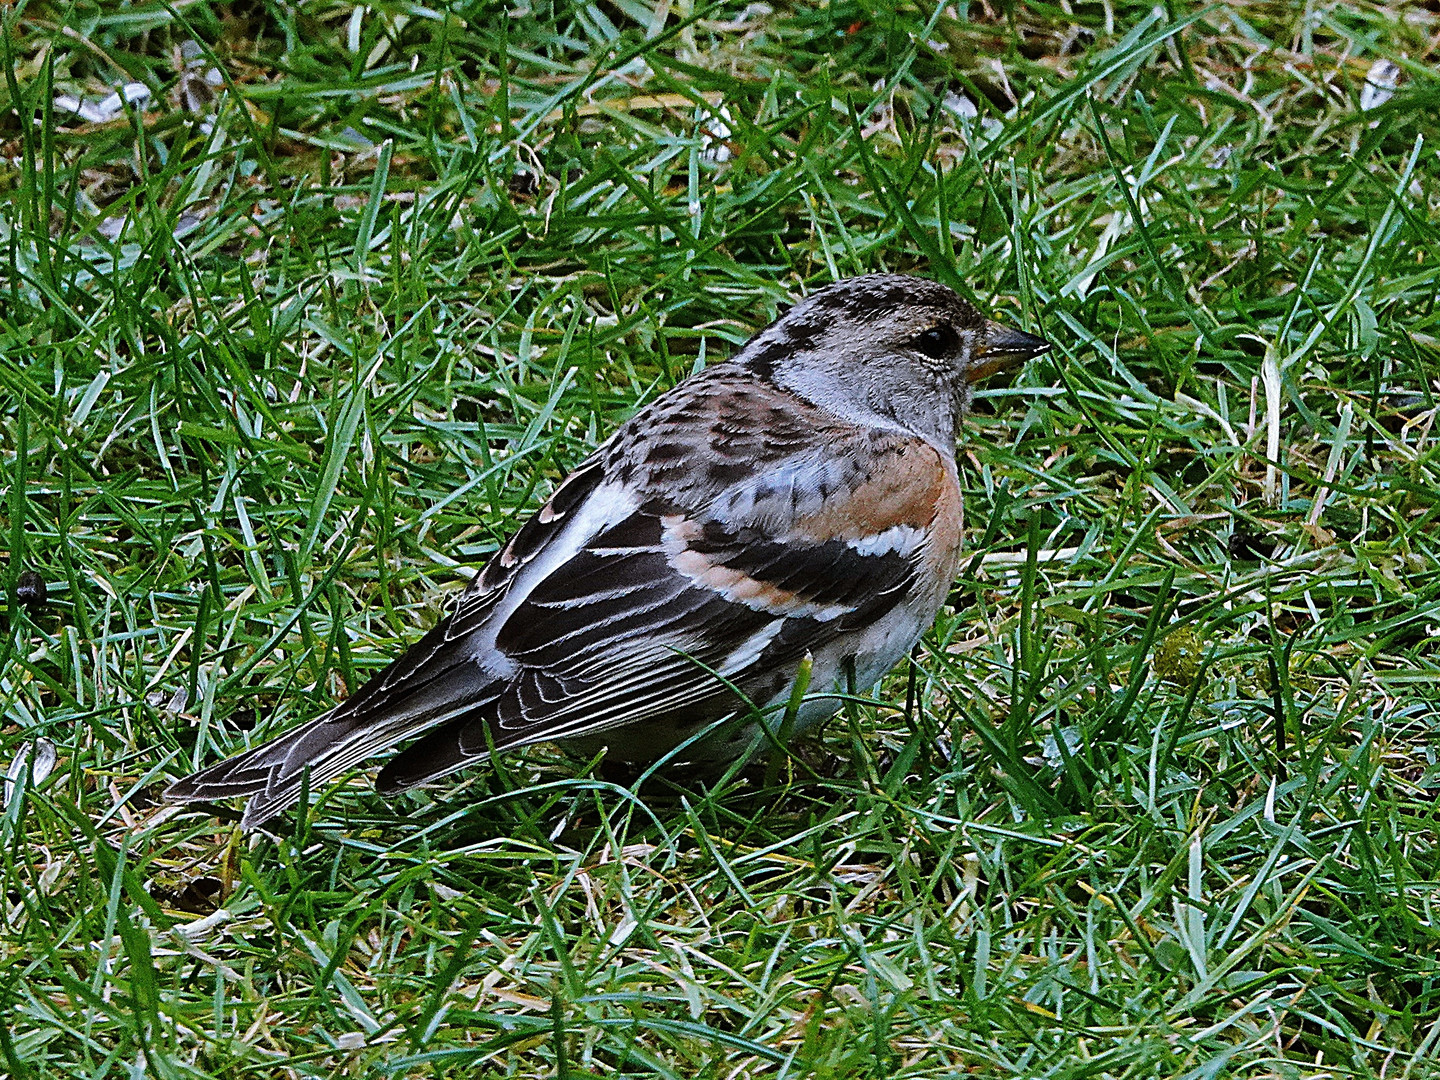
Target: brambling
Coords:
[(799, 500)]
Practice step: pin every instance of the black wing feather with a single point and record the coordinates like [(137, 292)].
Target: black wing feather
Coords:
[(592, 625)]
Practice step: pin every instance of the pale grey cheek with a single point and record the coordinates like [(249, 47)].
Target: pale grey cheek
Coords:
[(916, 394)]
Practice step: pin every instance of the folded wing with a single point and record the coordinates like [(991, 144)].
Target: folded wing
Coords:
[(662, 617)]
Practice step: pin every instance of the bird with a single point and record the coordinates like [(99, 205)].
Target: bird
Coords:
[(794, 507)]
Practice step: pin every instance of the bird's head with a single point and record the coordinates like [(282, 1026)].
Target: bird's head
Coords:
[(904, 349)]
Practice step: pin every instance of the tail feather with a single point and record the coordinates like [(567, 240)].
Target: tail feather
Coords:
[(436, 754), (271, 776)]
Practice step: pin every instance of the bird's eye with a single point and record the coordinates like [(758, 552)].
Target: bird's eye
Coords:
[(937, 343)]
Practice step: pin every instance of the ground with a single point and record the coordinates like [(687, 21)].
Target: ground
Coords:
[(290, 341)]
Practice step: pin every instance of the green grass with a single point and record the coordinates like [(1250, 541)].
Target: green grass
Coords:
[(1158, 796)]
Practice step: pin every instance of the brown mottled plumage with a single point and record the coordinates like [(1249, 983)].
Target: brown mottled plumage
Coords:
[(800, 499)]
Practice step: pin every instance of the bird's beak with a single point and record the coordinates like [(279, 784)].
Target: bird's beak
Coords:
[(1005, 347)]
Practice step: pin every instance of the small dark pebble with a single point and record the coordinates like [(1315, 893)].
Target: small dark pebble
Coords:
[(199, 897), (31, 592), (1405, 400), (1247, 545), (524, 184), (1398, 409)]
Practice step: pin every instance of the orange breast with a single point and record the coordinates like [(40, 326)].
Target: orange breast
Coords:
[(910, 484)]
